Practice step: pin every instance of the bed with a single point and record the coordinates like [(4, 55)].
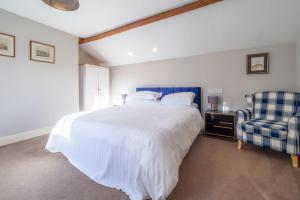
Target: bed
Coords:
[(136, 148)]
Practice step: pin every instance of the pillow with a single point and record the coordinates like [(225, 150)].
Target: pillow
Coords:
[(141, 102), (180, 98), (150, 95)]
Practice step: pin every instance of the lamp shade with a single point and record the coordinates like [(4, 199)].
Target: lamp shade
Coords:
[(213, 99)]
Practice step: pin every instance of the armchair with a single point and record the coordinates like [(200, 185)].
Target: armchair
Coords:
[(271, 120)]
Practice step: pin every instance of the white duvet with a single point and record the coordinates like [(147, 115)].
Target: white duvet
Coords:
[(135, 148)]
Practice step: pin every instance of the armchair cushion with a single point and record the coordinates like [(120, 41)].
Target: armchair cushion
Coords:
[(267, 128), (278, 106)]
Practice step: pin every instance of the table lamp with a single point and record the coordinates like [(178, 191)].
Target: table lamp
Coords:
[(213, 101)]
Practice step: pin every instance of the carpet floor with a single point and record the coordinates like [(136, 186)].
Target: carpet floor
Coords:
[(213, 170)]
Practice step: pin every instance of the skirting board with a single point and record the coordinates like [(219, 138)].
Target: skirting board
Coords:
[(24, 136)]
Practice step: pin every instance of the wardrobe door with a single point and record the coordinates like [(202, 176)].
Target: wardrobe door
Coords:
[(103, 87), (91, 88)]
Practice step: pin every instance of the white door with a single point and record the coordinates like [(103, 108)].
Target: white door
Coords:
[(103, 87), (91, 87)]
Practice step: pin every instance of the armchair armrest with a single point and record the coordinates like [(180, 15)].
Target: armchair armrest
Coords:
[(293, 135), (244, 115)]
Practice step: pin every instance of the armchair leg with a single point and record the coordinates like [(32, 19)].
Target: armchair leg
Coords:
[(240, 144), (295, 161)]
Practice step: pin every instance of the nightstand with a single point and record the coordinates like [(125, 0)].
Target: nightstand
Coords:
[(219, 123)]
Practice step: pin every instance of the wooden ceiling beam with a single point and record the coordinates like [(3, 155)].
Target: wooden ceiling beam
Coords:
[(149, 20)]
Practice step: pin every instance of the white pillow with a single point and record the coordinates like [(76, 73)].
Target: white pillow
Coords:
[(141, 102), (150, 95), (180, 98)]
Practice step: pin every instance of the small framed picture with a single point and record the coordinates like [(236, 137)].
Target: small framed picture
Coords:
[(42, 52), (7, 45), (258, 63)]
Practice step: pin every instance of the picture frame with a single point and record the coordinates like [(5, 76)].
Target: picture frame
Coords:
[(258, 63), (7, 45), (42, 52)]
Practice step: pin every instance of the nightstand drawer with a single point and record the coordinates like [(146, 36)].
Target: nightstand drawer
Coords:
[(220, 130), (226, 120)]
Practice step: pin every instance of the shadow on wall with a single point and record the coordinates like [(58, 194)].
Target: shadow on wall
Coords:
[(86, 58)]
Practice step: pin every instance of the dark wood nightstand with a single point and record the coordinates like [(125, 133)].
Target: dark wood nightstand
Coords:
[(219, 123)]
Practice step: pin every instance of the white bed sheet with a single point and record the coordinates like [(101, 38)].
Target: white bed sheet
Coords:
[(135, 148)]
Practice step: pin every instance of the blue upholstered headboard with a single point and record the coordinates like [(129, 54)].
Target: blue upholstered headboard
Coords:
[(170, 90)]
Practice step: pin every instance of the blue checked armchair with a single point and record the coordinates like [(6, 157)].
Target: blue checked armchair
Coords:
[(271, 120)]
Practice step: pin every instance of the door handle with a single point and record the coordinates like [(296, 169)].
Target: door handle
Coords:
[(98, 91)]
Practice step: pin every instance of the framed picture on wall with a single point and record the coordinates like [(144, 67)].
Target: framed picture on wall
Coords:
[(258, 63), (42, 52), (7, 45)]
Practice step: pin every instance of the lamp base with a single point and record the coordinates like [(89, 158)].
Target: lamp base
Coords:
[(213, 107)]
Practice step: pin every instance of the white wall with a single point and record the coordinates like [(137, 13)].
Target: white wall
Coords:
[(298, 64), (226, 70), (86, 58), (35, 95)]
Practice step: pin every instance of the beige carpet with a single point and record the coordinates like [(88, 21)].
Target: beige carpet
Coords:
[(213, 170)]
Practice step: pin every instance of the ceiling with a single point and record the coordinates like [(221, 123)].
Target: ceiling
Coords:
[(231, 24), (93, 16)]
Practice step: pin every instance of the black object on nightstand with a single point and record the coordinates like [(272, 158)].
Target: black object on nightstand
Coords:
[(219, 123)]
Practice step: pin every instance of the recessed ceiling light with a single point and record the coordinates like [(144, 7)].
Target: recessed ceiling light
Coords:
[(130, 53), (66, 5), (154, 49)]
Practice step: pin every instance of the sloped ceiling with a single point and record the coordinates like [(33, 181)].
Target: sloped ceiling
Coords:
[(93, 16), (231, 24)]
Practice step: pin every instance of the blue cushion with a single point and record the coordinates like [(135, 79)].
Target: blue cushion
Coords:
[(267, 128)]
